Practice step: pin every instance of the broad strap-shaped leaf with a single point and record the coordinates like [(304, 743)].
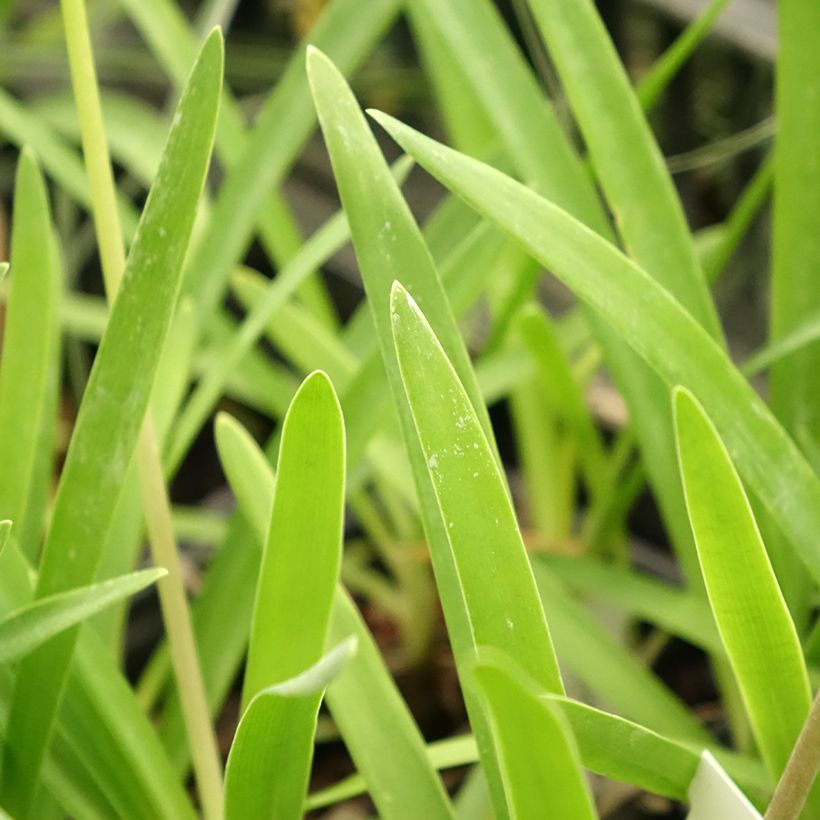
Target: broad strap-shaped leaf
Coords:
[(389, 245), (266, 775), (627, 159), (374, 720), (482, 534), (22, 631), (751, 615), (652, 322), (300, 563), (539, 758), (111, 413), (28, 368)]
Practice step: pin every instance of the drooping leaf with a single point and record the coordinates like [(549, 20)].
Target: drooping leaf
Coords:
[(539, 757), (653, 323), (22, 631), (266, 776), (374, 720)]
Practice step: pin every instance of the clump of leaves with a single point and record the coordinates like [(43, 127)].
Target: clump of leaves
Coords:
[(382, 422)]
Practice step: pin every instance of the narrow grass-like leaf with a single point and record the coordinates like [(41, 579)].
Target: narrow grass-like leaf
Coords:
[(379, 730), (23, 128), (269, 763), (99, 716), (543, 157), (652, 322), (513, 101), (30, 344), (627, 159), (538, 753), (669, 64), (111, 413), (487, 550), (26, 629), (565, 394), (751, 615), (375, 723), (795, 241), (245, 466), (300, 565), (315, 251)]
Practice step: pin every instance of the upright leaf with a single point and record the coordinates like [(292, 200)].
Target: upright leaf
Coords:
[(491, 561), (374, 720), (751, 615), (389, 245), (627, 159), (30, 343), (111, 413)]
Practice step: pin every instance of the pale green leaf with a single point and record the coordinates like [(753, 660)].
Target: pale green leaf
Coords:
[(266, 775), (539, 757), (751, 615), (22, 631)]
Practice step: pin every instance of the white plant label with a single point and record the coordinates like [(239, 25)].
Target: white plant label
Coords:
[(712, 793)]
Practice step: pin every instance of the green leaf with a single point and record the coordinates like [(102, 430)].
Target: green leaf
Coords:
[(751, 615), (628, 161), (557, 378), (348, 30), (539, 758), (33, 625), (669, 64), (389, 244), (795, 242), (28, 369), (269, 762), (616, 677), (64, 164), (652, 322), (111, 413), (482, 534), (374, 720), (513, 102), (295, 587)]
